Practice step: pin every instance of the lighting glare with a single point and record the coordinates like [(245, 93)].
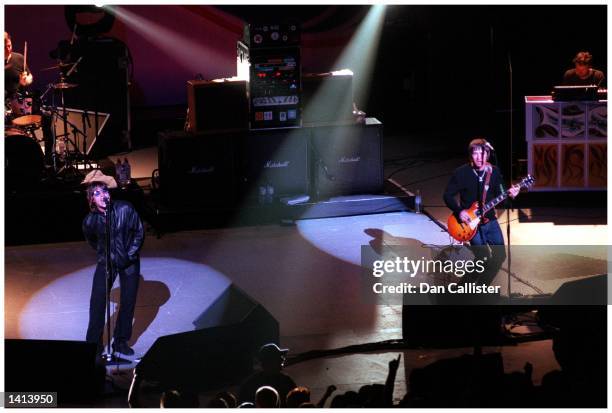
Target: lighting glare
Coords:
[(185, 51), (342, 72), (360, 54)]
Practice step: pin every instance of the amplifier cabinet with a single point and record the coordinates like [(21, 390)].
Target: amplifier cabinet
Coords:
[(327, 97), (196, 170), (217, 106), (278, 158), (347, 159)]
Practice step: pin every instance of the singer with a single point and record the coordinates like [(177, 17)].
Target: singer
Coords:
[(126, 239), (479, 181)]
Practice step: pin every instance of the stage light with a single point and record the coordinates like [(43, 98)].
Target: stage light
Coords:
[(88, 20), (342, 72)]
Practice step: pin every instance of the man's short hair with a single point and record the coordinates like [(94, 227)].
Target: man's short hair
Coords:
[(583, 58), (297, 396), (267, 397), (479, 143)]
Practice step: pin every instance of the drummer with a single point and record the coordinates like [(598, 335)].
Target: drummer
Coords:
[(15, 75)]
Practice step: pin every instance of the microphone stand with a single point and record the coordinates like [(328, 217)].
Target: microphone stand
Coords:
[(110, 357), (509, 254)]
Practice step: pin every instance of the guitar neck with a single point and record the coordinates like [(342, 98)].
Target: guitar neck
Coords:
[(493, 203), (525, 183)]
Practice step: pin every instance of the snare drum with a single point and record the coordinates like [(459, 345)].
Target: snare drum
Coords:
[(25, 109)]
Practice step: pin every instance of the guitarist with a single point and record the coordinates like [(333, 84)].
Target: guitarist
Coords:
[(479, 181)]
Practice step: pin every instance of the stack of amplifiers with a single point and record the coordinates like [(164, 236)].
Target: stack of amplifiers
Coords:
[(217, 106), (197, 169), (347, 159), (272, 54), (216, 170)]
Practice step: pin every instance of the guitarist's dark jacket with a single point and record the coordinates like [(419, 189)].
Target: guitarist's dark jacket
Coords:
[(464, 183)]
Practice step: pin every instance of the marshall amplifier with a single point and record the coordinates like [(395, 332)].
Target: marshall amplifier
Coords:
[(278, 158), (274, 86), (217, 105), (196, 170), (347, 159), (271, 35)]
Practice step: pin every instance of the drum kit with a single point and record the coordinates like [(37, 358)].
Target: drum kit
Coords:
[(31, 127)]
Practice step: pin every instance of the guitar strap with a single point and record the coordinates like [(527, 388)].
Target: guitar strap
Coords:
[(484, 191)]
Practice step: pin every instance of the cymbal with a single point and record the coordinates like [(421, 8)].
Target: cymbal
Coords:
[(64, 85), (58, 66)]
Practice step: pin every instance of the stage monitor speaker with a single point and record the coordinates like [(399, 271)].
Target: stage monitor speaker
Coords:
[(79, 133), (586, 291), (441, 326), (278, 158), (327, 97), (348, 159), (196, 170), (220, 352), (217, 106), (66, 367)]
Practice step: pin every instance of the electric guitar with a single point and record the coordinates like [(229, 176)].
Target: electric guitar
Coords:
[(464, 232)]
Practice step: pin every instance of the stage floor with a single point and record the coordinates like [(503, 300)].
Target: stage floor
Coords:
[(307, 276)]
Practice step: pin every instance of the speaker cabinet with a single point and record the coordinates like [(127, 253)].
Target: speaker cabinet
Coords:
[(327, 97), (217, 106), (278, 158), (347, 159), (66, 367), (196, 170), (220, 352), (441, 326)]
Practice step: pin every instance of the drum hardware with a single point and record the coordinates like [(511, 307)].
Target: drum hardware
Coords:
[(64, 85), (26, 114), (57, 66), (70, 158)]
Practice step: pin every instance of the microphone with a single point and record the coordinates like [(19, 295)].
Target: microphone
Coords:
[(488, 145)]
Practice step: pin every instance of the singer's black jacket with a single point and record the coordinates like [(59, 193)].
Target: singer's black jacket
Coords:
[(126, 230), (465, 183)]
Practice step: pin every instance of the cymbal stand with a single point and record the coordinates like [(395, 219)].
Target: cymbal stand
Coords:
[(75, 130)]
